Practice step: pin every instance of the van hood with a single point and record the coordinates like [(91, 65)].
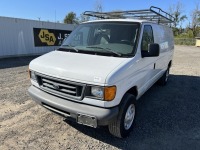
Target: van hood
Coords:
[(76, 67)]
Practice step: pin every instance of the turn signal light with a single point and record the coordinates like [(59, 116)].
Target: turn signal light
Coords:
[(109, 93)]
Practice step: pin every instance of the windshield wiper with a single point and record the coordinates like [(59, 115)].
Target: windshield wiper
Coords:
[(71, 47), (106, 49)]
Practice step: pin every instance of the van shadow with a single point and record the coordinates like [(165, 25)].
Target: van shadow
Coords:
[(15, 62), (167, 118)]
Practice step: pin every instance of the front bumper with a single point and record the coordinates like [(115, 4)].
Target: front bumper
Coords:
[(73, 109)]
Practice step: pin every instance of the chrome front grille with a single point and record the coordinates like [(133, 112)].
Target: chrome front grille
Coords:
[(61, 88)]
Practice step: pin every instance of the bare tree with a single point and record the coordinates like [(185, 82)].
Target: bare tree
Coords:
[(176, 11), (98, 6), (195, 15)]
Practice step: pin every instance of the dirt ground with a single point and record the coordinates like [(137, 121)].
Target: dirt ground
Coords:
[(167, 117)]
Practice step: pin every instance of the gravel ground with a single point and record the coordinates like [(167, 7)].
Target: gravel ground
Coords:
[(167, 117)]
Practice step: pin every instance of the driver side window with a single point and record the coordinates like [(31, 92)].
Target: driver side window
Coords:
[(147, 37)]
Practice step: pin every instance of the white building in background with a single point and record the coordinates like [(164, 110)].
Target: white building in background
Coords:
[(22, 37)]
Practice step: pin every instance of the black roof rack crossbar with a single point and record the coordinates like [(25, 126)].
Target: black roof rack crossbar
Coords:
[(154, 14)]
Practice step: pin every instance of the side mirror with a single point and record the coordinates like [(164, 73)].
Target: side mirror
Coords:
[(153, 51)]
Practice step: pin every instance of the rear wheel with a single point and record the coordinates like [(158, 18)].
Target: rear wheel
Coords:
[(163, 80), (123, 124)]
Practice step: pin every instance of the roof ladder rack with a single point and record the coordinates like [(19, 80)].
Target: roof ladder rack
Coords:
[(154, 14)]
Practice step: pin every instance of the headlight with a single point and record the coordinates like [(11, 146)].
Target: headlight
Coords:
[(33, 76), (97, 92), (104, 93)]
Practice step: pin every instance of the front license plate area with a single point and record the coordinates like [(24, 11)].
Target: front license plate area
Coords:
[(87, 120)]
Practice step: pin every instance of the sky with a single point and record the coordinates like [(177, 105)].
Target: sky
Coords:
[(55, 10)]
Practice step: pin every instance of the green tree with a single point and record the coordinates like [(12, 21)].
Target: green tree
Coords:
[(179, 18), (70, 18)]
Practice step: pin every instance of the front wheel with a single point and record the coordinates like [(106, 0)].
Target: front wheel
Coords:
[(123, 124)]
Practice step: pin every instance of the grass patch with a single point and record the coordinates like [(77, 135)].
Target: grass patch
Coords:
[(185, 41)]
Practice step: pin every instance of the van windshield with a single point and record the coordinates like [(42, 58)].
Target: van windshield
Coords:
[(104, 38)]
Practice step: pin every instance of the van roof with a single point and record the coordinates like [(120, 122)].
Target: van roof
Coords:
[(121, 20)]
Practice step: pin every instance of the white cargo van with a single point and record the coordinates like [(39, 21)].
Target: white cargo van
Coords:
[(104, 66)]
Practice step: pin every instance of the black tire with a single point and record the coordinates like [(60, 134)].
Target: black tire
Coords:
[(117, 127), (164, 79)]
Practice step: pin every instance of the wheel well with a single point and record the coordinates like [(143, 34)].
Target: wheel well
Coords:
[(133, 91)]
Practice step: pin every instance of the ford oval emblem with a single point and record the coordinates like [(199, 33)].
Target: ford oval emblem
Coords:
[(56, 87)]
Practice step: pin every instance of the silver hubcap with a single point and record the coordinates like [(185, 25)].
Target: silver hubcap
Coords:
[(167, 75), (129, 117)]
